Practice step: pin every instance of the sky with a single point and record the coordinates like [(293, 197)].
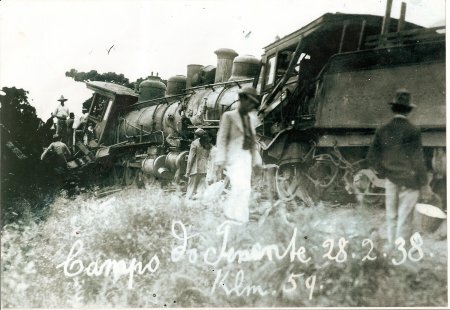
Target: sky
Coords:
[(42, 39)]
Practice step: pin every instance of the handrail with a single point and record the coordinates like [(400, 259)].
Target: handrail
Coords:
[(400, 37), (221, 83)]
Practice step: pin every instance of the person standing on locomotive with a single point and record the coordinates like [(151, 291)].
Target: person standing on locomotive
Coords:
[(236, 151), (61, 113), (69, 126), (78, 126), (396, 154), (197, 164)]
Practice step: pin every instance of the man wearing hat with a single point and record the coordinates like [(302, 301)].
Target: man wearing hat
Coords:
[(60, 153), (396, 154), (236, 151), (197, 164), (61, 113)]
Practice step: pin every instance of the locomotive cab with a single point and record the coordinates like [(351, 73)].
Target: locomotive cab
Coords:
[(106, 102), (292, 65)]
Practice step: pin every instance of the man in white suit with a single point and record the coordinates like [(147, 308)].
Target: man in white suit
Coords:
[(236, 151)]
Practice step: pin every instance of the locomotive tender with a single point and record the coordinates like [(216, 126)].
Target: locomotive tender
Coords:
[(325, 89)]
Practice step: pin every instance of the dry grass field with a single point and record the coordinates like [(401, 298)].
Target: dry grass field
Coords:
[(186, 263)]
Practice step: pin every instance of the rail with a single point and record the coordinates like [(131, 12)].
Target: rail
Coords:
[(237, 82), (152, 102)]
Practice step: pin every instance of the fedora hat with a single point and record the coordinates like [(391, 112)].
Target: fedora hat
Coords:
[(62, 99), (251, 93), (403, 98)]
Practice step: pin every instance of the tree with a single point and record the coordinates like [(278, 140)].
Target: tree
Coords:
[(23, 136), (19, 119), (93, 75)]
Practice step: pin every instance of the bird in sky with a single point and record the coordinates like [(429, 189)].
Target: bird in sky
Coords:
[(109, 50)]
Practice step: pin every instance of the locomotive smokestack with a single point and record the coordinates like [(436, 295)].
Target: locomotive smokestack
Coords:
[(225, 58), (191, 71)]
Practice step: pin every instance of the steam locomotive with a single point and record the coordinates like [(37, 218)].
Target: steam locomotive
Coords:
[(324, 88)]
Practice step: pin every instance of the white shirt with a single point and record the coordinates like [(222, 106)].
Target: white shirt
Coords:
[(80, 120), (61, 111)]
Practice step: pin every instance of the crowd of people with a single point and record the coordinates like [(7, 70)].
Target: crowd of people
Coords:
[(67, 129)]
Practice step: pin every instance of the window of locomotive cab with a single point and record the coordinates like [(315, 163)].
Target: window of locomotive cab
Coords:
[(108, 109), (99, 106), (283, 61), (270, 72), (258, 83)]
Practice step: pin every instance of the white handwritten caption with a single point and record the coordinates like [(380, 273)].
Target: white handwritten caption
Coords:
[(212, 256), (74, 266)]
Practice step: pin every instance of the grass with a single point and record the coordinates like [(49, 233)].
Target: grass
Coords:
[(138, 223)]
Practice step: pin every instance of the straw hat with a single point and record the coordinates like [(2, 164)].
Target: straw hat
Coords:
[(62, 99)]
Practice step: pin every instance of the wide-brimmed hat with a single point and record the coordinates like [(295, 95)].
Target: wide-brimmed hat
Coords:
[(200, 132), (403, 98), (251, 93), (62, 99)]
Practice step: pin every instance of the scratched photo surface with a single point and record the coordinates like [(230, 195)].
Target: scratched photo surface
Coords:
[(223, 154)]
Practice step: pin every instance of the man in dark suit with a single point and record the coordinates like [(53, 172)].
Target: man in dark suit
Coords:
[(396, 154)]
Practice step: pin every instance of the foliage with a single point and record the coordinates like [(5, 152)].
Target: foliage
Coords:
[(23, 136), (93, 75), (19, 118)]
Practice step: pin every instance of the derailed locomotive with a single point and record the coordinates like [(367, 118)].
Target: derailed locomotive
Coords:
[(325, 89), (148, 134)]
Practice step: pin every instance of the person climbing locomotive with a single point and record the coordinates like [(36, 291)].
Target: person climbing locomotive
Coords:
[(396, 154), (197, 163), (61, 113), (236, 151), (60, 153)]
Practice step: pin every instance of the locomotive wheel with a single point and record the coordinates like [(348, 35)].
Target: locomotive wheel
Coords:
[(370, 198), (117, 174), (148, 180), (291, 182), (306, 191), (130, 176), (366, 193), (326, 180), (286, 182)]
